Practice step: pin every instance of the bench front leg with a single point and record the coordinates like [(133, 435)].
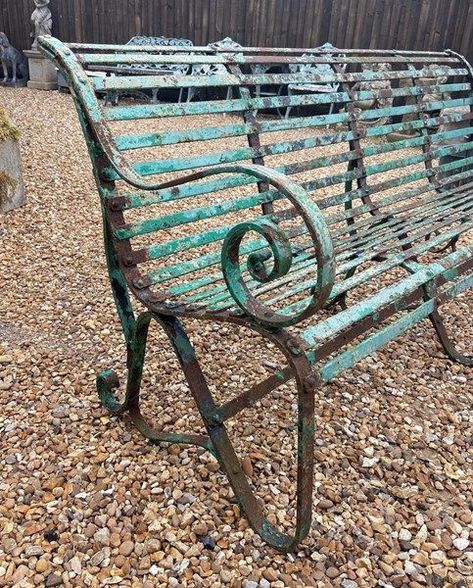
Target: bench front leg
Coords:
[(217, 440), (222, 447), (438, 322), (108, 383)]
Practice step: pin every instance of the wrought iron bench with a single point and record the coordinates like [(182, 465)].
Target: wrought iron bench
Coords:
[(172, 68), (201, 69), (328, 241)]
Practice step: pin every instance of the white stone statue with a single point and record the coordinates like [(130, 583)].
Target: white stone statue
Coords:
[(41, 20)]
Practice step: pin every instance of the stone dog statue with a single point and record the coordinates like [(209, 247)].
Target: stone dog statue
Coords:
[(12, 60)]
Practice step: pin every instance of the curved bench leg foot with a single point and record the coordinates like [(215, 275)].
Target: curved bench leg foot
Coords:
[(218, 441), (108, 382), (447, 342), (249, 503)]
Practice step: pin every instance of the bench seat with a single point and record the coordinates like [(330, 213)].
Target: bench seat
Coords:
[(394, 239), (386, 236), (328, 234)]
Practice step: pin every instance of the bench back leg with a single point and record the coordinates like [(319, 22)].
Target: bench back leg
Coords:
[(447, 343)]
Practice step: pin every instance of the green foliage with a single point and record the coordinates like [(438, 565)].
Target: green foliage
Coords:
[(8, 131)]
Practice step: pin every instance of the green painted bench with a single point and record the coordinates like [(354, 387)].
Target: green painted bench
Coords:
[(315, 231)]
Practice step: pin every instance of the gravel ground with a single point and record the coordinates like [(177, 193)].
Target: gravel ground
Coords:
[(86, 501)]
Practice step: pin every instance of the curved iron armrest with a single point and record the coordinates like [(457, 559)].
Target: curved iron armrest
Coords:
[(276, 238), (274, 235), (279, 245)]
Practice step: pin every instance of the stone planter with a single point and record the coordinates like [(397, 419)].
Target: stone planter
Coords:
[(12, 192)]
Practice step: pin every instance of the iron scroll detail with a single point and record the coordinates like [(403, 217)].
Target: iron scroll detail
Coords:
[(279, 251), (279, 246)]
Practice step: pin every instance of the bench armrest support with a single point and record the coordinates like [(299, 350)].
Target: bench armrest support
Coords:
[(279, 245)]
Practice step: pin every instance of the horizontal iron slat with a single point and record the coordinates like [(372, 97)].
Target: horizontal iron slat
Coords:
[(424, 107), (171, 220), (213, 235), (399, 223), (439, 151), (188, 190), (371, 344), (398, 198), (155, 139), (194, 81), (185, 267), (143, 111), (192, 215), (205, 261), (164, 56), (155, 167), (220, 293), (191, 242), (368, 346), (257, 50), (419, 175), (317, 334)]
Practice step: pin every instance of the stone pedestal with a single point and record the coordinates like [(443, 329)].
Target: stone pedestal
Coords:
[(63, 86), (43, 74)]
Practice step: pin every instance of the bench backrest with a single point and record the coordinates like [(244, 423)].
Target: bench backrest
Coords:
[(351, 167)]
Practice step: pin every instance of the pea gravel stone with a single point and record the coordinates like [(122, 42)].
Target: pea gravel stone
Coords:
[(394, 435)]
